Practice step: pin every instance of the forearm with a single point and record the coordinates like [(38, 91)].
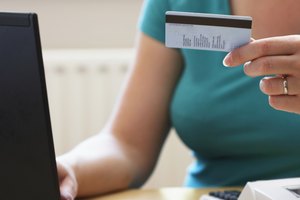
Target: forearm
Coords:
[(140, 124), (101, 164)]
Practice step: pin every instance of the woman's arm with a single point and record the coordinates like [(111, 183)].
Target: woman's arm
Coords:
[(124, 154)]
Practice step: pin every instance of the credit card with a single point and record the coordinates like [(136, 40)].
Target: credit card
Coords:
[(207, 31)]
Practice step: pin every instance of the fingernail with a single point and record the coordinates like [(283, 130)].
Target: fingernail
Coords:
[(247, 68), (262, 85), (68, 196), (227, 60)]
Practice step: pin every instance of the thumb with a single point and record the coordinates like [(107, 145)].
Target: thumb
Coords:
[(67, 182), (67, 189)]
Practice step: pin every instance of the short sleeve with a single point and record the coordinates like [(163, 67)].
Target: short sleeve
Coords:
[(152, 19)]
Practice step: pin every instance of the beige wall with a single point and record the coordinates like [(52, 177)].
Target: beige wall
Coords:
[(101, 24), (82, 23)]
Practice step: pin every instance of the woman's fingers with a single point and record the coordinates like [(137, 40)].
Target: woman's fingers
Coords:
[(283, 45), (279, 56), (285, 103), (271, 65), (67, 181), (275, 85), (67, 189)]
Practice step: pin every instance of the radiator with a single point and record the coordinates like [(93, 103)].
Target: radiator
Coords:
[(82, 87)]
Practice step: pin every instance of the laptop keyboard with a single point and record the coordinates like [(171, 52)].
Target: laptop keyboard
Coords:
[(222, 195)]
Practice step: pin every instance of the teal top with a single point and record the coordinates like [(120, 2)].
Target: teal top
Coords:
[(221, 114)]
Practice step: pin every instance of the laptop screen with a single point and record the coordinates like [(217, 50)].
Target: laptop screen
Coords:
[(27, 158)]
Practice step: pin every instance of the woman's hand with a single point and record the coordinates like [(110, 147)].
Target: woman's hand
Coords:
[(67, 181), (278, 59)]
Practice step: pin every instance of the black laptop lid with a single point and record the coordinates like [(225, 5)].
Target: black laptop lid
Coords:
[(27, 159)]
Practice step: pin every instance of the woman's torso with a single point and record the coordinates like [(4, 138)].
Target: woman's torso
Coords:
[(221, 114)]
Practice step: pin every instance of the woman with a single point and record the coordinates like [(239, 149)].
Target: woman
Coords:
[(220, 113)]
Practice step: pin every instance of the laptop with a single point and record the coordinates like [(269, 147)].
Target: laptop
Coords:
[(27, 158)]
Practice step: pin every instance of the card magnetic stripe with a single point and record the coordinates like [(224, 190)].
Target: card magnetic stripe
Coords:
[(209, 21)]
